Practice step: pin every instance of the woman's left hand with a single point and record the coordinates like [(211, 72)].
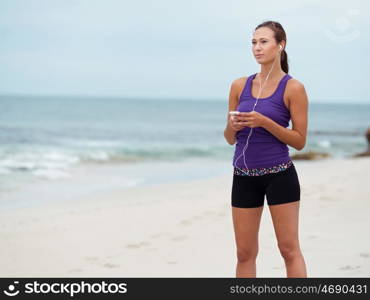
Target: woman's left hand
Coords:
[(251, 119)]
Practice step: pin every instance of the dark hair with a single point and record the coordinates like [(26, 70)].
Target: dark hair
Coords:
[(367, 134), (279, 34)]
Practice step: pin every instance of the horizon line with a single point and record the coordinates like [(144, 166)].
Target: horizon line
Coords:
[(177, 98)]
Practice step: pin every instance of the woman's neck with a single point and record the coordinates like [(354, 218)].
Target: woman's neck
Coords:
[(275, 74)]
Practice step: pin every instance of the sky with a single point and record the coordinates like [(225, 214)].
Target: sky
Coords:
[(178, 49)]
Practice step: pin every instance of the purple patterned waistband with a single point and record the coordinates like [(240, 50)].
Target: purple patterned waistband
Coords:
[(262, 171)]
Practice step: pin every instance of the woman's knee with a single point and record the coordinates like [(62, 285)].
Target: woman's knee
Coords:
[(289, 250), (246, 254)]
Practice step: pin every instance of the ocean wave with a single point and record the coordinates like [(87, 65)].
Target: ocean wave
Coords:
[(324, 143), (40, 162), (51, 173), (337, 132), (55, 163)]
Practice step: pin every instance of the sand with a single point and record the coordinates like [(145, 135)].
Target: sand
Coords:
[(184, 229)]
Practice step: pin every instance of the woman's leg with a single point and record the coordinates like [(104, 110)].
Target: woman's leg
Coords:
[(285, 220), (246, 226)]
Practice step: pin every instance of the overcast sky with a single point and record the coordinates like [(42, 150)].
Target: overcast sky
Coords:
[(178, 49)]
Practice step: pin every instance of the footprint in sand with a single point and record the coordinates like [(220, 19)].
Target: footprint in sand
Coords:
[(216, 214), (75, 271), (185, 222), (108, 265), (179, 238), (91, 258), (151, 249), (209, 213), (221, 214), (348, 267), (366, 255), (161, 234), (94, 259), (138, 245)]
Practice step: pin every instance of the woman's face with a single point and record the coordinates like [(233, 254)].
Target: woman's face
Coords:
[(264, 45)]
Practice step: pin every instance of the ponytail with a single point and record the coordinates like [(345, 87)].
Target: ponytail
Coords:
[(284, 61)]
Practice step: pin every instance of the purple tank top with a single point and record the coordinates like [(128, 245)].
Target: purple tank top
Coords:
[(264, 149)]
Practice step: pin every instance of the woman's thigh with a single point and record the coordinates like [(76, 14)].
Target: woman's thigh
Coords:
[(246, 223), (283, 195), (285, 218)]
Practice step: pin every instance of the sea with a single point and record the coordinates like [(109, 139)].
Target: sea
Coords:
[(55, 148)]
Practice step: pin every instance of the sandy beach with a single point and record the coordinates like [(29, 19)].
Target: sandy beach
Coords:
[(184, 229)]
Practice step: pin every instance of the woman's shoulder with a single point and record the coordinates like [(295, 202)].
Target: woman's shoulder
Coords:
[(239, 84), (294, 84), (294, 90), (240, 81)]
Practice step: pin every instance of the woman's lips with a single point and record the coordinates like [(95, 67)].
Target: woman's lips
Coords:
[(258, 55)]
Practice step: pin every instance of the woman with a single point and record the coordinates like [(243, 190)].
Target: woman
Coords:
[(262, 165)]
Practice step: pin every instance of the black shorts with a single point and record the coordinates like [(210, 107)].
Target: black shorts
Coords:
[(279, 188)]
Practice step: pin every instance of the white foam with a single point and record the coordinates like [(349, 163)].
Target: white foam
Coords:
[(17, 163), (61, 157), (324, 143), (51, 173), (93, 143), (44, 163), (97, 155)]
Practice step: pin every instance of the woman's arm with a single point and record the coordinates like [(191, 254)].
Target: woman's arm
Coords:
[(298, 106), (236, 85)]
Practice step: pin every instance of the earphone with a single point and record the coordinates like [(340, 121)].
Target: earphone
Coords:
[(250, 132)]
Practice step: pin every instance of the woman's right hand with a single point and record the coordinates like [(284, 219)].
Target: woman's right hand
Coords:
[(233, 123)]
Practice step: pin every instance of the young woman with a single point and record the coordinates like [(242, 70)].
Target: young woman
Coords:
[(267, 101)]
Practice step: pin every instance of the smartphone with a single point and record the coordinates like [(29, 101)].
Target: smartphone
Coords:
[(234, 112)]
